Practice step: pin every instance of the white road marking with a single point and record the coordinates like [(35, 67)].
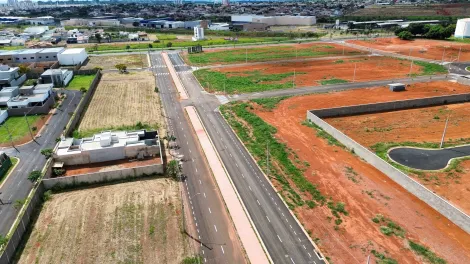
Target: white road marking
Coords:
[(258, 202), (210, 210), (268, 219), (310, 257), (200, 182), (215, 228), (249, 187), (223, 252), (292, 260), (304, 246), (279, 238), (205, 195)]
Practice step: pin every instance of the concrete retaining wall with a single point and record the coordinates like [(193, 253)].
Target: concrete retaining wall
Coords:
[(442, 206), (104, 176), (83, 103), (391, 106)]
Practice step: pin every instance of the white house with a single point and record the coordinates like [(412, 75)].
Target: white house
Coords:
[(10, 76), (58, 77), (3, 116), (31, 96), (72, 56), (6, 93)]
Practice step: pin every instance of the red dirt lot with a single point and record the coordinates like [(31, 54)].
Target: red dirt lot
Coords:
[(311, 73), (421, 125), (108, 166), (422, 48), (373, 192)]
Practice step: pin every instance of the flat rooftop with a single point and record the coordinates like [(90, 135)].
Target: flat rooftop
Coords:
[(73, 51)]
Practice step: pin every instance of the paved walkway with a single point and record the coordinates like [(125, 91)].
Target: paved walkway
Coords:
[(245, 230)]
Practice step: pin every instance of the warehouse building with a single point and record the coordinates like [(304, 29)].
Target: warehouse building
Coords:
[(72, 56), (462, 30)]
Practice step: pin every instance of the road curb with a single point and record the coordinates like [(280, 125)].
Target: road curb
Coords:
[(321, 256)]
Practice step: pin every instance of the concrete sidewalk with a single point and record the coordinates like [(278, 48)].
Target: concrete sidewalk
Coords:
[(248, 235)]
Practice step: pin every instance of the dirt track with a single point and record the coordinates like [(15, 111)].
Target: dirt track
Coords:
[(422, 48), (135, 222), (370, 193), (421, 125)]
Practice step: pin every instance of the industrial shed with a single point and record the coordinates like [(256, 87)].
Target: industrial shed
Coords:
[(72, 56)]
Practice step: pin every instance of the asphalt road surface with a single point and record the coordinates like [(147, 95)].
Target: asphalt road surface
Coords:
[(17, 186), (427, 159), (212, 228), (281, 234)]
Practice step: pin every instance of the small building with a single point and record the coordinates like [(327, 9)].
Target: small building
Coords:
[(7, 93), (72, 56), (50, 54), (58, 77), (198, 34), (174, 24), (5, 42), (10, 76), (36, 32), (462, 29), (219, 26), (108, 146), (196, 23), (17, 41), (397, 87), (3, 118), (249, 27), (31, 96)]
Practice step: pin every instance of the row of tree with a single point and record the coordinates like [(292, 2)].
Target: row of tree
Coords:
[(426, 31)]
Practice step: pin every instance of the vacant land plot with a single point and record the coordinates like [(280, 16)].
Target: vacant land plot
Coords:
[(270, 76), (108, 62), (80, 81), (422, 48), (122, 100), (17, 127), (350, 209), (135, 222), (418, 11), (271, 53), (423, 127)]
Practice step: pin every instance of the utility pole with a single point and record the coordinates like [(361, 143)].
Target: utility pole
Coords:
[(354, 77), (458, 56), (11, 138), (443, 54), (246, 55), (29, 127), (444, 133), (409, 55), (293, 80), (411, 68)]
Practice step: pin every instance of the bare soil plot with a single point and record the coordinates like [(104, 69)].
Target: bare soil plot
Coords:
[(419, 126), (340, 176), (110, 165), (122, 100), (270, 76), (269, 53), (422, 48), (135, 222), (108, 62)]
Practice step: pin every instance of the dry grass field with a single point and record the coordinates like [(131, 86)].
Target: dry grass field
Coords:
[(108, 62), (134, 222), (122, 100)]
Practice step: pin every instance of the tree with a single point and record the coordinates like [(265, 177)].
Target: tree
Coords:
[(173, 169), (169, 44), (136, 24), (121, 67), (34, 176), (150, 46), (405, 35), (23, 69), (128, 47), (3, 241), (417, 29), (98, 37), (47, 152), (83, 89)]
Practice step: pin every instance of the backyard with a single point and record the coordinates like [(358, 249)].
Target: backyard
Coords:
[(123, 101), (80, 81), (133, 222)]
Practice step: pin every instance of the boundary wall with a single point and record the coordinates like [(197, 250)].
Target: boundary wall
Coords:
[(448, 210), (390, 106), (104, 176)]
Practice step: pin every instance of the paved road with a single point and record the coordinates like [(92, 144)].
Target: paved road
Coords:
[(459, 68), (17, 186), (427, 159), (330, 88), (281, 234), (212, 225)]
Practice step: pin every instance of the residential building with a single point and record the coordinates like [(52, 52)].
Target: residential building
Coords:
[(72, 56), (139, 36), (37, 31), (7, 56), (10, 76), (32, 96), (7, 93), (198, 34), (58, 77), (108, 146), (49, 54)]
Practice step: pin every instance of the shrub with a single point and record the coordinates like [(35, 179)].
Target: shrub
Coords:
[(47, 195), (47, 152), (83, 89), (34, 176), (405, 35), (169, 44)]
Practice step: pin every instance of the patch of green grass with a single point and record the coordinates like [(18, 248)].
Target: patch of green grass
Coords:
[(264, 54), (352, 174), (18, 127), (30, 82), (339, 61), (381, 258), (323, 134), (389, 227), (430, 68), (250, 81), (80, 81), (426, 253), (332, 81), (192, 260), (270, 103)]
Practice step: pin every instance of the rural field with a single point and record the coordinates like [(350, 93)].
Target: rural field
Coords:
[(350, 208), (19, 129), (108, 62), (121, 101), (269, 53), (134, 222), (422, 48), (423, 128), (270, 76)]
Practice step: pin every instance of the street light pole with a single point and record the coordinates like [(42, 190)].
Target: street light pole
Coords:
[(443, 54), (246, 55), (458, 56), (354, 77), (444, 133), (293, 80), (411, 68)]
